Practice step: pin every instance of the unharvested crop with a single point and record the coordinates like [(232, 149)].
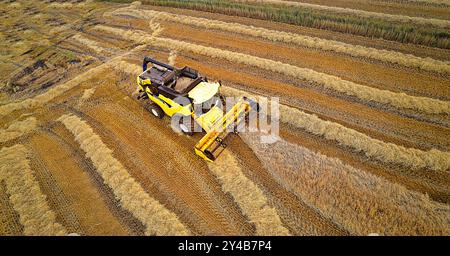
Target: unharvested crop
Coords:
[(156, 218), (407, 60), (358, 201), (361, 13), (126, 67), (17, 129), (26, 196), (380, 150), (366, 93), (247, 195)]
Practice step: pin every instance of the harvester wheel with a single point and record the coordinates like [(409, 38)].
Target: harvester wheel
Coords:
[(256, 108), (187, 129), (156, 111)]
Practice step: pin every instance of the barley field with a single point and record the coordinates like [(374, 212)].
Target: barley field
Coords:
[(364, 125)]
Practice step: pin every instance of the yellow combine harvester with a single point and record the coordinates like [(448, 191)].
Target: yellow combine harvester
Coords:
[(192, 101)]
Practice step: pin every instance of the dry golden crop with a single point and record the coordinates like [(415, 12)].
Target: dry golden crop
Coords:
[(25, 194), (359, 202), (43, 98), (90, 43), (380, 150), (17, 129), (156, 218), (394, 57), (68, 5), (87, 93), (361, 13), (248, 196), (56, 91)]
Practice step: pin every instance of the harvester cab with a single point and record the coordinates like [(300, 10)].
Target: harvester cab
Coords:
[(192, 102)]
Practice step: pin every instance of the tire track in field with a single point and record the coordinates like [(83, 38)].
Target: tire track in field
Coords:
[(426, 182), (248, 196), (58, 201)]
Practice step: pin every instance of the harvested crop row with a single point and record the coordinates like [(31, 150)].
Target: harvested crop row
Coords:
[(26, 197), (360, 202), (380, 150), (127, 67), (365, 14), (18, 129), (9, 219), (399, 100), (156, 218), (248, 196), (49, 95), (90, 43), (407, 60)]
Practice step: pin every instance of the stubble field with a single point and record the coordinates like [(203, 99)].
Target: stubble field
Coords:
[(364, 127)]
